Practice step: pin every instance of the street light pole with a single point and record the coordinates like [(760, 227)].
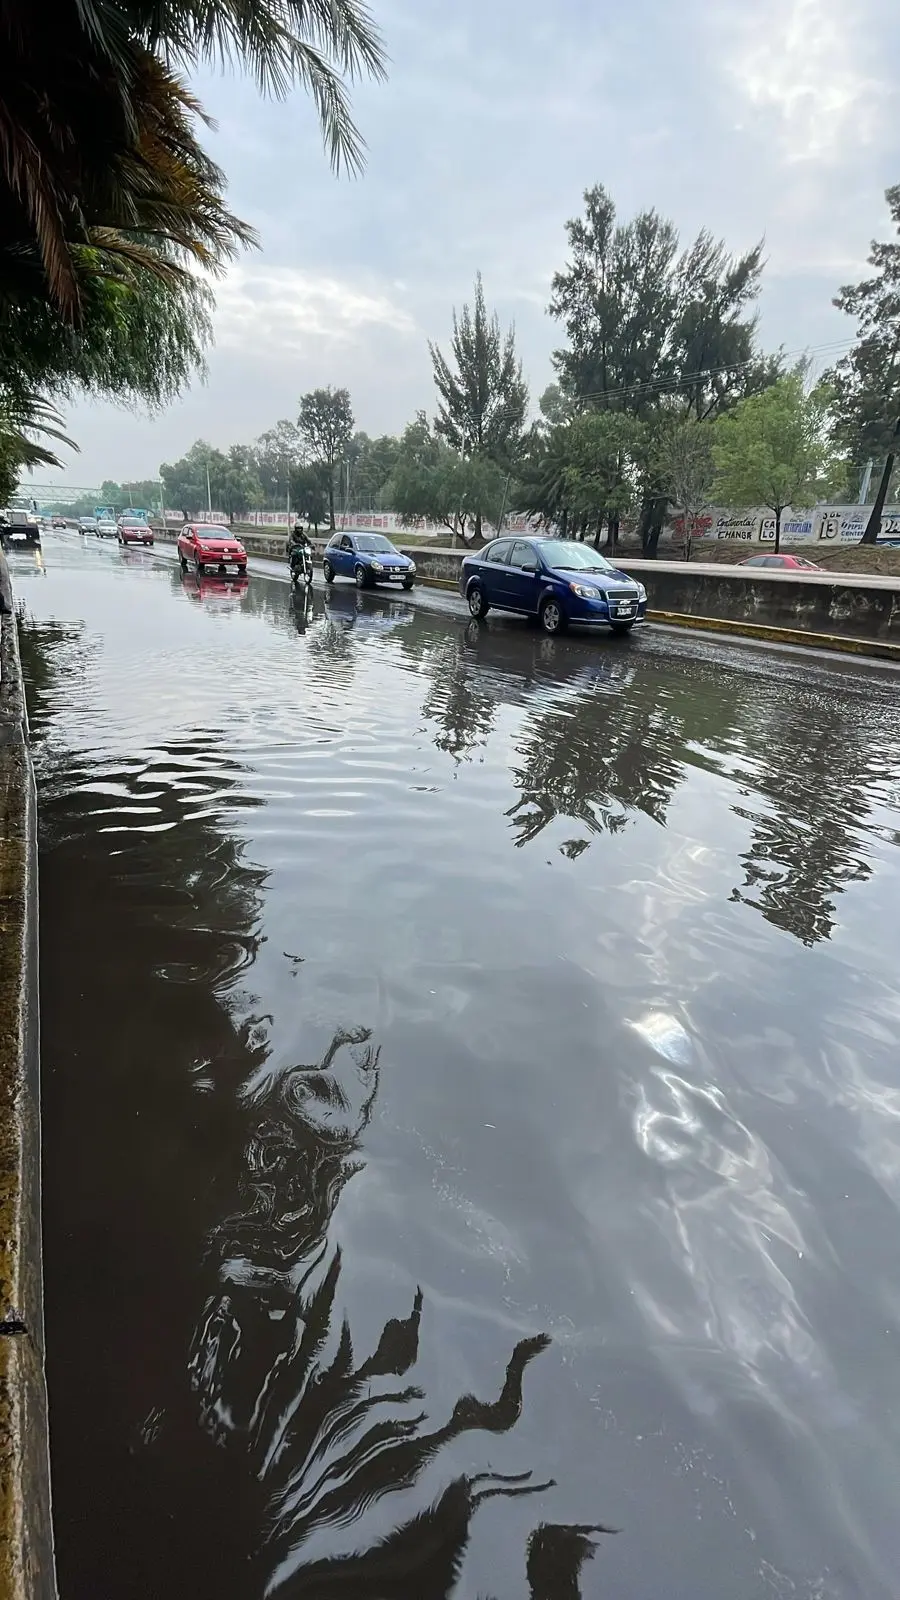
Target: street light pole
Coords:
[(208, 489)]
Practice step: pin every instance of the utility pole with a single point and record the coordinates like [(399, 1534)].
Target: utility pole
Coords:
[(503, 503), (209, 505)]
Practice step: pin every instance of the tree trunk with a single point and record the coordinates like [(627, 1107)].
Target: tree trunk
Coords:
[(564, 522), (598, 531), (613, 532), (778, 511), (650, 526), (873, 526)]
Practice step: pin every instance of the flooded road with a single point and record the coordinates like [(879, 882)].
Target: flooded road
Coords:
[(471, 1101)]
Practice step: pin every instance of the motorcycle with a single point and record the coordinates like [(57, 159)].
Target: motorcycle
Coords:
[(301, 567)]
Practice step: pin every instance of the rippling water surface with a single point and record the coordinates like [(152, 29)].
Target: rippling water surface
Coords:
[(472, 1101)]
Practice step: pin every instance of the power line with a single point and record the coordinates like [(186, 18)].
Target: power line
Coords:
[(673, 384)]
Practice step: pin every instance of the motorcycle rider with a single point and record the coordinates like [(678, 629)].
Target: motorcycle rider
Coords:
[(298, 548)]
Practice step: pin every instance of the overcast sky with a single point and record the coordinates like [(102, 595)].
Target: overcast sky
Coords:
[(752, 117)]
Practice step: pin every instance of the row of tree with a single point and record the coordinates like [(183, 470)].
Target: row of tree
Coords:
[(662, 398)]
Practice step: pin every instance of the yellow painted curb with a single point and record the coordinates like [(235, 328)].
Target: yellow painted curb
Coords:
[(759, 630)]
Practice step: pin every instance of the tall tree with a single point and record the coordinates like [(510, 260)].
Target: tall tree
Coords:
[(687, 470), (651, 329), (483, 396), (325, 425), (772, 449), (277, 453), (600, 475), (309, 493), (185, 480), (370, 463), (433, 481), (617, 300), (866, 383)]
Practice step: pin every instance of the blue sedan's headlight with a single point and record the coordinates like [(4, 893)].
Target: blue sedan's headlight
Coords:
[(586, 591)]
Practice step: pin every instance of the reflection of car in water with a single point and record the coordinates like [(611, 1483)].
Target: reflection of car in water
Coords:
[(366, 614), (202, 586), (523, 661)]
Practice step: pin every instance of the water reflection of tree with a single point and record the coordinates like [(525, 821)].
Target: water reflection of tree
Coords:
[(329, 1433), (458, 702), (813, 764)]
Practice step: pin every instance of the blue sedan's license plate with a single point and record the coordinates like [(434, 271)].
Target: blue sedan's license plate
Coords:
[(624, 608)]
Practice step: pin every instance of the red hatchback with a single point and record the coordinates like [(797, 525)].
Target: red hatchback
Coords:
[(206, 547), (781, 563)]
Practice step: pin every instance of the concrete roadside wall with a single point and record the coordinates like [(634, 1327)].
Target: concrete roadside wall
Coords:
[(775, 600), (26, 1539)]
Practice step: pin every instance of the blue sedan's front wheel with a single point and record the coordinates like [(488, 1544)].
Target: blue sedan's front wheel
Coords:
[(553, 618), (361, 576)]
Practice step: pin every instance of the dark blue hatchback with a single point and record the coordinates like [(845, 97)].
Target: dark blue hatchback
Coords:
[(368, 558), (556, 580)]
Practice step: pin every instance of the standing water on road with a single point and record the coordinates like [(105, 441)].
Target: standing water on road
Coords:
[(471, 1101)]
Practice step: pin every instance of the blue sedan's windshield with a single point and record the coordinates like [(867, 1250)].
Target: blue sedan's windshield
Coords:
[(572, 557), (373, 541)]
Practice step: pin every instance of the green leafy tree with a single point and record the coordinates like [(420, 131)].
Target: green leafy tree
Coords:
[(370, 463), (435, 482), (144, 492), (772, 449), (234, 481), (483, 396), (687, 470), (866, 383), (600, 475), (30, 429), (100, 148), (325, 425), (309, 493), (543, 487), (651, 329), (109, 203), (185, 480), (276, 454)]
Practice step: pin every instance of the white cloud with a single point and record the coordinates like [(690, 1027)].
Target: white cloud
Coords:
[(801, 65), (277, 310)]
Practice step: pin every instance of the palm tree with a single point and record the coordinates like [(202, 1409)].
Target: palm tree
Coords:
[(21, 417), (98, 143)]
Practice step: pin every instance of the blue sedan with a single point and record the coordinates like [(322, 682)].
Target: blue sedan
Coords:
[(368, 558), (555, 580)]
